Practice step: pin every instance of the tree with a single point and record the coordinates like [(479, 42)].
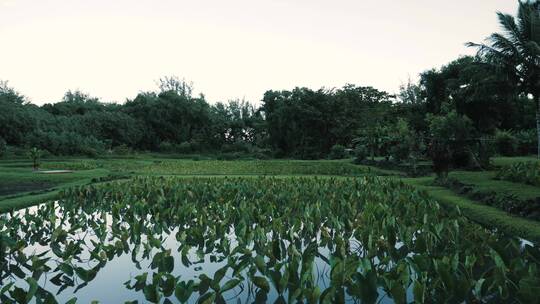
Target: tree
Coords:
[(450, 138), (517, 51), (175, 84)]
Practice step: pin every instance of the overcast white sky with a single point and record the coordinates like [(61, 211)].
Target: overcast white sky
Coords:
[(230, 49)]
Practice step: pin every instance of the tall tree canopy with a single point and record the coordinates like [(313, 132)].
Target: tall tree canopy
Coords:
[(516, 50)]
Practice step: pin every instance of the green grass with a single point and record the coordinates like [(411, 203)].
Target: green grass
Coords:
[(156, 166), (505, 160), (485, 215), (19, 171), (21, 187), (30, 198), (485, 182)]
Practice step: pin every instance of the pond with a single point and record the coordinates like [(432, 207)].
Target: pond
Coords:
[(245, 240)]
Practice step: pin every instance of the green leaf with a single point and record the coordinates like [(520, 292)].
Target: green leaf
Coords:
[(168, 283), (18, 294), (260, 263), (418, 291), (207, 298), (261, 283), (151, 293), (167, 264), (33, 287), (66, 268), (230, 285), (72, 301), (218, 276), (478, 288), (398, 294), (184, 291)]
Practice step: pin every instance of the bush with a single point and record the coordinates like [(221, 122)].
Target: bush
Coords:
[(450, 141), (184, 148), (505, 143), (166, 147), (3, 147), (260, 153), (526, 142), (230, 156), (122, 150), (484, 150), (400, 151), (402, 140), (361, 152), (66, 143), (337, 152), (238, 146), (523, 172)]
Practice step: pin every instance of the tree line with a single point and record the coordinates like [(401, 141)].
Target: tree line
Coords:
[(492, 97)]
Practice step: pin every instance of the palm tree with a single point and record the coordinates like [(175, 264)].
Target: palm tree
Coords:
[(517, 51), (35, 155)]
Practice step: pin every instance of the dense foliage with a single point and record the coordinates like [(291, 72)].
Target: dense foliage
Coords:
[(313, 240), (301, 123), (522, 172)]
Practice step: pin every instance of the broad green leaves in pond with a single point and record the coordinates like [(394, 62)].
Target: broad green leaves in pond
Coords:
[(283, 240)]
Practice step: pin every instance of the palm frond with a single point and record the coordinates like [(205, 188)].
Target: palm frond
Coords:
[(523, 18), (504, 45), (508, 24), (516, 50)]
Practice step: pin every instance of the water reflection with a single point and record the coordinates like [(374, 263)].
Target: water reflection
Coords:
[(117, 270), (256, 240)]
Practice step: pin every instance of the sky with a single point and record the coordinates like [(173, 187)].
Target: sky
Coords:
[(114, 49)]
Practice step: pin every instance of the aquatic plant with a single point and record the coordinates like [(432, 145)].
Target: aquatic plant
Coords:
[(260, 239)]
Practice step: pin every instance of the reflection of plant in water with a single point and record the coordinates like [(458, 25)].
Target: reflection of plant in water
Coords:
[(316, 240)]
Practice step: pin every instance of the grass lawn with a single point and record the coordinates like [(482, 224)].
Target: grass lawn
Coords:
[(484, 181)]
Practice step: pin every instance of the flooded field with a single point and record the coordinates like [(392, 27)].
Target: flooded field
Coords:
[(204, 240)]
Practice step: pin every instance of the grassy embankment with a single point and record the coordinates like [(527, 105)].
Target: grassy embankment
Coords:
[(486, 215), (21, 187)]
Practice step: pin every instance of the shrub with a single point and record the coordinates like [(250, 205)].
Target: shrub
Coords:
[(360, 153), (184, 148), (450, 140), (506, 143), (260, 153), (229, 156), (526, 142), (35, 155), (66, 143), (309, 153), (238, 146), (376, 139), (337, 152), (166, 147), (523, 172), (122, 150), (401, 141), (483, 151)]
